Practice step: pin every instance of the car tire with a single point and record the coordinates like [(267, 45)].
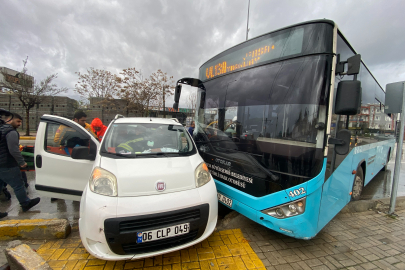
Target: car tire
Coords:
[(358, 184)]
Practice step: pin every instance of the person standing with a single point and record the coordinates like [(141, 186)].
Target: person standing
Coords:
[(98, 128), (191, 128), (11, 160), (79, 117)]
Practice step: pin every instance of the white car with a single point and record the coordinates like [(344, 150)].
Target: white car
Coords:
[(144, 190)]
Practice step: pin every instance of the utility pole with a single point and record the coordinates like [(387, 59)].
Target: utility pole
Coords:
[(398, 156), (247, 25), (395, 103)]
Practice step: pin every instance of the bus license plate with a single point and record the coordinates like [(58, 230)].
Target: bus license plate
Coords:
[(163, 233), (225, 200)]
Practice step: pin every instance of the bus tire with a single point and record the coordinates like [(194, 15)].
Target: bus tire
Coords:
[(358, 184)]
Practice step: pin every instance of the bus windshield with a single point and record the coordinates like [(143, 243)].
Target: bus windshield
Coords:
[(266, 117)]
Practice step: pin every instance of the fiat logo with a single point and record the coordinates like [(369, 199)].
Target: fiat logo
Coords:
[(160, 186)]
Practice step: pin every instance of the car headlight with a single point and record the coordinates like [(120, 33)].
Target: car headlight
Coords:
[(290, 209), (103, 182), (202, 175)]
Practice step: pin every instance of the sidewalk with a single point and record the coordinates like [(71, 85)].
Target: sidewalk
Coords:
[(32, 136), (363, 240)]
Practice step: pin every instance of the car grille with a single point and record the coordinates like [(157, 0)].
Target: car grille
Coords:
[(121, 233), (164, 221)]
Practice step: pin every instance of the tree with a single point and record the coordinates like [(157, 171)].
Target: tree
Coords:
[(28, 91), (192, 101), (137, 91), (163, 85), (99, 84)]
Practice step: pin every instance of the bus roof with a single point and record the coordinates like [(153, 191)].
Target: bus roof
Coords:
[(280, 29), (298, 24)]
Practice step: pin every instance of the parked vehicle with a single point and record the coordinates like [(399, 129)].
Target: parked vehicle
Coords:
[(144, 190)]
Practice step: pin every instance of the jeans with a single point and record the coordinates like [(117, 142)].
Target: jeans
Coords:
[(12, 176)]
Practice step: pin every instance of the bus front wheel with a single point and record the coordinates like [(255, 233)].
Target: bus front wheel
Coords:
[(358, 184)]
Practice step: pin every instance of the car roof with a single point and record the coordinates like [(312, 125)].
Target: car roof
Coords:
[(146, 120)]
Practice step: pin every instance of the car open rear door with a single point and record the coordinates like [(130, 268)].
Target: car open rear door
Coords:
[(58, 175)]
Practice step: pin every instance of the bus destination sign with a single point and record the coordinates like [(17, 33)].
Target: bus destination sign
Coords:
[(251, 58), (254, 52)]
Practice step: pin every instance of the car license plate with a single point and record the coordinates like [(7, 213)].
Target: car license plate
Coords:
[(162, 233), (224, 199)]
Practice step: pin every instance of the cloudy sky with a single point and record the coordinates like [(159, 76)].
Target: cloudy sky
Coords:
[(177, 36)]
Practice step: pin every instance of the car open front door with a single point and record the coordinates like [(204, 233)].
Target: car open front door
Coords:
[(58, 175)]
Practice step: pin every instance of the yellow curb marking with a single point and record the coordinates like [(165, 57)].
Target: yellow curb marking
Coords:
[(222, 250)]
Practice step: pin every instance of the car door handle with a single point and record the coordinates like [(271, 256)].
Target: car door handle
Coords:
[(38, 161)]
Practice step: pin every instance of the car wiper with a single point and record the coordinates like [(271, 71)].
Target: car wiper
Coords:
[(121, 155)]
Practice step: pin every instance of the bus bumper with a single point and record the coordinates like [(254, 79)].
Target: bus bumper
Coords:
[(303, 226)]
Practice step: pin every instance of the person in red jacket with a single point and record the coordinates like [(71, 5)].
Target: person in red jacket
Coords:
[(98, 128)]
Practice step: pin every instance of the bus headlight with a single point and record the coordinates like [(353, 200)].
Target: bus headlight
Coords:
[(202, 175), (103, 182), (290, 209)]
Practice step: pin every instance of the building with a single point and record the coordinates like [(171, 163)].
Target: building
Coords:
[(372, 117), (58, 105), (106, 111)]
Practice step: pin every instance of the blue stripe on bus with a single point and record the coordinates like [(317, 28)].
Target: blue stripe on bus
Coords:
[(324, 199)]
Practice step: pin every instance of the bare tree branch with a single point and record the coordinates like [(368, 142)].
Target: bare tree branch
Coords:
[(163, 85), (28, 91)]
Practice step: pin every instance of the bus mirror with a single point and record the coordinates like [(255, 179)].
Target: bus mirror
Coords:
[(176, 106), (348, 98), (353, 64), (202, 100), (343, 136), (177, 92)]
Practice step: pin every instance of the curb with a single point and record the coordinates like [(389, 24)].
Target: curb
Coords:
[(365, 205), (34, 229), (27, 138), (235, 220), (22, 257)]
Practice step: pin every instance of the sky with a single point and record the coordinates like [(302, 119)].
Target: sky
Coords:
[(178, 36)]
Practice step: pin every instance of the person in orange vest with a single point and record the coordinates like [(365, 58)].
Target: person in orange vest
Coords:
[(98, 128)]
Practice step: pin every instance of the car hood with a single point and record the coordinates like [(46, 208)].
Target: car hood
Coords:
[(139, 176)]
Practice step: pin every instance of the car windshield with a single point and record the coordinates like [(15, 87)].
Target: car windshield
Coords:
[(147, 139)]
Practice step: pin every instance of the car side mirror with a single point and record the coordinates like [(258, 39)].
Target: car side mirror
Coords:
[(348, 98), (81, 152), (341, 142)]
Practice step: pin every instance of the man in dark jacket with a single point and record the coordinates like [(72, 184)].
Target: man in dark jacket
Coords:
[(11, 160)]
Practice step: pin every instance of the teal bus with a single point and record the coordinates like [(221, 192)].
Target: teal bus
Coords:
[(290, 124)]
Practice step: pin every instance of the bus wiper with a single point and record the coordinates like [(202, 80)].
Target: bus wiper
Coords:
[(226, 140)]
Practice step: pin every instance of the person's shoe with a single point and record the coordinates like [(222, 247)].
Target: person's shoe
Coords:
[(30, 204), (2, 215), (54, 199)]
